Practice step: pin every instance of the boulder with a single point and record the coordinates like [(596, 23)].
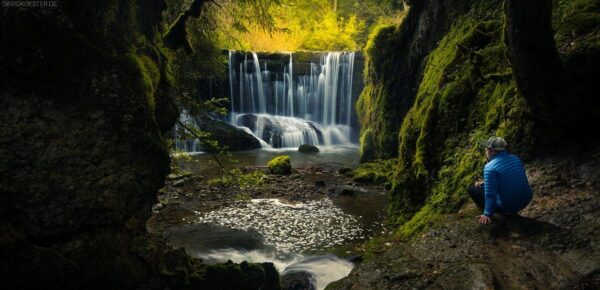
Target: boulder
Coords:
[(298, 281), (308, 148), (347, 191), (280, 165), (346, 171), (234, 138)]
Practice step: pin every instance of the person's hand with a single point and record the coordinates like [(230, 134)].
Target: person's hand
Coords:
[(484, 219), (478, 183)]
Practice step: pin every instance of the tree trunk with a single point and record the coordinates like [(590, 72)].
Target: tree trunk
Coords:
[(177, 36), (540, 73)]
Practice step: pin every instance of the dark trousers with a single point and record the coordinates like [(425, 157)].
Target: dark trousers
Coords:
[(477, 194)]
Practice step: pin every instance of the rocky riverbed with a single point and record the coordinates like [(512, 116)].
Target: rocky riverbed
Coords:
[(554, 244), (294, 221), (186, 195)]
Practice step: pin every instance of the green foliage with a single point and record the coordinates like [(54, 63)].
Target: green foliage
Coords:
[(280, 165), (314, 25), (577, 20), (188, 131), (238, 178), (333, 33)]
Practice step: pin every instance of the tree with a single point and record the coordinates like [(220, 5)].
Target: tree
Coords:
[(541, 75)]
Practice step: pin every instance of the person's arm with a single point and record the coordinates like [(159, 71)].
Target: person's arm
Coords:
[(491, 191)]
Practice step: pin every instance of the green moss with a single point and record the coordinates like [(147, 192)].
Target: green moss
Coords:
[(378, 113), (379, 171), (367, 148), (280, 165), (373, 247), (150, 76), (421, 221), (238, 178), (467, 94)]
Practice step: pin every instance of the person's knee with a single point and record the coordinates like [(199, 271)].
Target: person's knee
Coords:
[(474, 190)]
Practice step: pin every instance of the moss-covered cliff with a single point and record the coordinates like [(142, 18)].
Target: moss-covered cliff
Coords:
[(440, 82), (84, 104)]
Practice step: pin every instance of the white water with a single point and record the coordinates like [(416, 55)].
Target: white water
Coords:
[(288, 235), (325, 269), (315, 108), (191, 145)]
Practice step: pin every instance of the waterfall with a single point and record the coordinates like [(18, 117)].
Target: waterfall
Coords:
[(288, 106), (186, 145)]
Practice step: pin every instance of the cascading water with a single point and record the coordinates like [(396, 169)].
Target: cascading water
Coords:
[(287, 108), (186, 145)]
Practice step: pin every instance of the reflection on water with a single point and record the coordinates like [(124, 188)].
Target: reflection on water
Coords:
[(305, 227), (335, 156), (291, 236), (294, 237)]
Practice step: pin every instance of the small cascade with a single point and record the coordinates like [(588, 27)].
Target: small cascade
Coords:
[(289, 106), (190, 145)]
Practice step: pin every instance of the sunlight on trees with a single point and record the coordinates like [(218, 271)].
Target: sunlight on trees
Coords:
[(308, 25)]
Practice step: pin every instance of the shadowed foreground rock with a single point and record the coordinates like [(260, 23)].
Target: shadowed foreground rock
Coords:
[(298, 281), (84, 105), (553, 245)]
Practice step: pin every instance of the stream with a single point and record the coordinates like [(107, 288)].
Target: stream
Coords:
[(286, 100), (294, 236)]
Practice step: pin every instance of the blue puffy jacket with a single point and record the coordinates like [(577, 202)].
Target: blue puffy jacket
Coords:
[(506, 185)]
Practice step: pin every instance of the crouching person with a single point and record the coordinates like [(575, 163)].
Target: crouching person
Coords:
[(505, 188)]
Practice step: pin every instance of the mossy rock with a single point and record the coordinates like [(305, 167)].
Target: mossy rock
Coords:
[(377, 172), (307, 148), (280, 165), (369, 177)]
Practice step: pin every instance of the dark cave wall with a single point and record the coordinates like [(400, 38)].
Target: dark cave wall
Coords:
[(82, 151), (84, 105)]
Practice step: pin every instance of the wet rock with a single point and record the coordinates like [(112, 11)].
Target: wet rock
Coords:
[(308, 148), (355, 258), (405, 275), (298, 281), (178, 183), (227, 135), (270, 133), (347, 191), (175, 176), (346, 171)]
